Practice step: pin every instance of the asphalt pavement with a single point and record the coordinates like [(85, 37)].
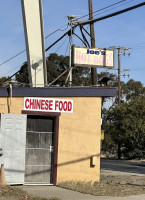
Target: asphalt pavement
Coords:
[(124, 166)]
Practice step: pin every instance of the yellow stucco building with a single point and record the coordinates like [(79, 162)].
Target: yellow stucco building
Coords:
[(57, 146)]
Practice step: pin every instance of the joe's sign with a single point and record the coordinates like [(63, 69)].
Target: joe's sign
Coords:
[(92, 57), (48, 105)]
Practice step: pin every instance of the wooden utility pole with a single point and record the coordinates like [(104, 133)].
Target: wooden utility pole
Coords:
[(118, 76), (92, 33), (119, 83)]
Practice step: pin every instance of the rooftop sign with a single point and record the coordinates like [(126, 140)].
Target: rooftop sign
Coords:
[(92, 57)]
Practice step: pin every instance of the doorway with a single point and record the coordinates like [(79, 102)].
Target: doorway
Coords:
[(39, 158)]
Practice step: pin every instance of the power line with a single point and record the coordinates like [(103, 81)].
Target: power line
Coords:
[(66, 33), (115, 7), (25, 49), (84, 23), (61, 44), (66, 48), (59, 29), (108, 16), (9, 71), (100, 9), (135, 44), (12, 57)]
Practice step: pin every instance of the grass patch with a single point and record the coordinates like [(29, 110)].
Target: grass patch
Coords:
[(19, 194), (109, 186)]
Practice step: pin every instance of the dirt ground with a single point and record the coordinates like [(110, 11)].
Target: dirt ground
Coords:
[(110, 185)]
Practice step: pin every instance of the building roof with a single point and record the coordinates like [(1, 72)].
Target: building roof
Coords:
[(59, 92)]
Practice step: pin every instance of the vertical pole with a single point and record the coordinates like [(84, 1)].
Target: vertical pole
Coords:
[(92, 32), (70, 76), (118, 76)]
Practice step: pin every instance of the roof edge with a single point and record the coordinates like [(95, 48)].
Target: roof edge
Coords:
[(59, 92)]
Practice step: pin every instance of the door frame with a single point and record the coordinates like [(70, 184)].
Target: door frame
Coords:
[(54, 115)]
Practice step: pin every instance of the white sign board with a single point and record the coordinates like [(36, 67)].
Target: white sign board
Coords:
[(48, 105), (92, 57)]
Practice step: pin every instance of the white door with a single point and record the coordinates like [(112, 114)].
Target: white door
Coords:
[(13, 142)]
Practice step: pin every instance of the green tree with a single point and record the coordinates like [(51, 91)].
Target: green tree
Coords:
[(55, 66), (22, 76), (2, 79), (126, 126), (132, 89)]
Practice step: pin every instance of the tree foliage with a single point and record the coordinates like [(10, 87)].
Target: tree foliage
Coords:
[(2, 79), (132, 89), (125, 124), (55, 66), (23, 76)]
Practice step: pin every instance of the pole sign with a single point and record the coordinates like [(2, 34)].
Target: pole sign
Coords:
[(92, 57), (48, 105)]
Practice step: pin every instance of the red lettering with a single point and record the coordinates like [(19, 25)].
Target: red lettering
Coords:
[(83, 58), (88, 56), (65, 105), (42, 104), (50, 104), (38, 104), (101, 60), (56, 105), (35, 104), (96, 60), (46, 105), (111, 59), (69, 106), (31, 104), (60, 105), (27, 103), (78, 54)]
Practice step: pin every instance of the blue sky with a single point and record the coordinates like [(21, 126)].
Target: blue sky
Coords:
[(127, 30)]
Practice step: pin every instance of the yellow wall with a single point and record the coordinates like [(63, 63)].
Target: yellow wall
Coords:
[(79, 137)]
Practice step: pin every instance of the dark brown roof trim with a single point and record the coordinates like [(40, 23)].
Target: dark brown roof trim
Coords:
[(59, 92)]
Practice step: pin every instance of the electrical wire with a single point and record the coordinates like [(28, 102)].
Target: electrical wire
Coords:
[(10, 71), (99, 19), (134, 44), (12, 57), (110, 15), (101, 9), (61, 44), (67, 48), (59, 29), (114, 7)]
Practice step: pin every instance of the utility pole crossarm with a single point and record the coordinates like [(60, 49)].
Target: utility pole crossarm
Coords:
[(108, 16), (119, 58)]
